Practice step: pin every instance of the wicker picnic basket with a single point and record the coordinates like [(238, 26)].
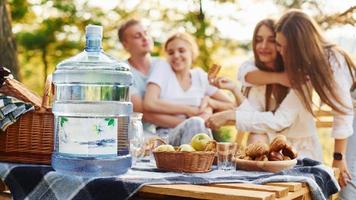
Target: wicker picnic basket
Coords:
[(30, 138), (191, 162)]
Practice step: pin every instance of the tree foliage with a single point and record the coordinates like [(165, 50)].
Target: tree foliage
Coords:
[(50, 40), (326, 20)]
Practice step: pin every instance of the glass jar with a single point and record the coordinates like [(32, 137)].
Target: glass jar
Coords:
[(136, 137)]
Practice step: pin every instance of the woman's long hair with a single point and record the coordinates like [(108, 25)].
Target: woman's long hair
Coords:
[(307, 59), (277, 90)]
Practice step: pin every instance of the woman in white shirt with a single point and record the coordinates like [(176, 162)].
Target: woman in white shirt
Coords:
[(287, 114), (308, 56), (182, 91), (310, 60)]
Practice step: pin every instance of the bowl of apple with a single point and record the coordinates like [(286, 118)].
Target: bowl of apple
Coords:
[(198, 156)]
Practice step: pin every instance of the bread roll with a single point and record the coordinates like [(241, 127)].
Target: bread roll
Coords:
[(278, 143)]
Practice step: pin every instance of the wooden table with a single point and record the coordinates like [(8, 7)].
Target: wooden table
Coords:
[(229, 191)]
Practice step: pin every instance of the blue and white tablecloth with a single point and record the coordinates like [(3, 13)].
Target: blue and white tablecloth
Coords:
[(41, 182)]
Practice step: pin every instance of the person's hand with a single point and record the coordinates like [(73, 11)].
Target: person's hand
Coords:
[(193, 111), (345, 176), (224, 83), (219, 119), (204, 103), (206, 113)]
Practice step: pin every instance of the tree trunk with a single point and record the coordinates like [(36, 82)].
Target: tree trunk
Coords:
[(8, 50), (45, 63), (204, 52)]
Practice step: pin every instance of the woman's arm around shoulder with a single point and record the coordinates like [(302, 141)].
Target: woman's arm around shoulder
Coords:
[(250, 75)]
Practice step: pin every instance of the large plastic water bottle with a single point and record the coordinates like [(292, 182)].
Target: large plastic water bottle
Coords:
[(92, 112)]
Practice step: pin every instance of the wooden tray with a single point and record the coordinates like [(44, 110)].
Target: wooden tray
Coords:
[(268, 166)]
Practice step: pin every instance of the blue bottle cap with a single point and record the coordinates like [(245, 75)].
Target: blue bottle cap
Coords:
[(94, 30)]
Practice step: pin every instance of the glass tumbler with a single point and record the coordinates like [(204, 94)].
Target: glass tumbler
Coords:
[(226, 152), (136, 137)]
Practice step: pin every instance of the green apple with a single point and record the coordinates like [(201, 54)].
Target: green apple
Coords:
[(164, 147), (199, 141), (186, 148), (225, 134)]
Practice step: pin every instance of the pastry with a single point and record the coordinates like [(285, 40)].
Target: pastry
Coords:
[(256, 149), (290, 152), (275, 156), (278, 143)]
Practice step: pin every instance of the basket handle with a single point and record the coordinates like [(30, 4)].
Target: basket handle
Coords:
[(153, 140), (47, 92), (150, 145), (211, 146)]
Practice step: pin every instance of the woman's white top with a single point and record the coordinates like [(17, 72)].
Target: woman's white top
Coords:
[(290, 119), (342, 123), (166, 79), (291, 114)]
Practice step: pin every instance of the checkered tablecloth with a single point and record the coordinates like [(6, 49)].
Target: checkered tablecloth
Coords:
[(41, 182), (11, 109)]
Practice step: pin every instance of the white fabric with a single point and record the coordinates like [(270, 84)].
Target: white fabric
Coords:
[(140, 80), (290, 119), (286, 116), (138, 88), (342, 123), (171, 90), (246, 67)]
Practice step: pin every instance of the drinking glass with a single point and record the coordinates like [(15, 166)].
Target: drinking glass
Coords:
[(226, 152), (136, 137)]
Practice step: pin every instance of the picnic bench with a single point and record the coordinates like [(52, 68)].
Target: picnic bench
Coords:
[(324, 119)]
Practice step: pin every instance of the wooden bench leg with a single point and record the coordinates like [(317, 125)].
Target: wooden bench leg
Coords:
[(4, 192)]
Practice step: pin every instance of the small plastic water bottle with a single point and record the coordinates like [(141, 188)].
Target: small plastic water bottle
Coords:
[(92, 112)]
